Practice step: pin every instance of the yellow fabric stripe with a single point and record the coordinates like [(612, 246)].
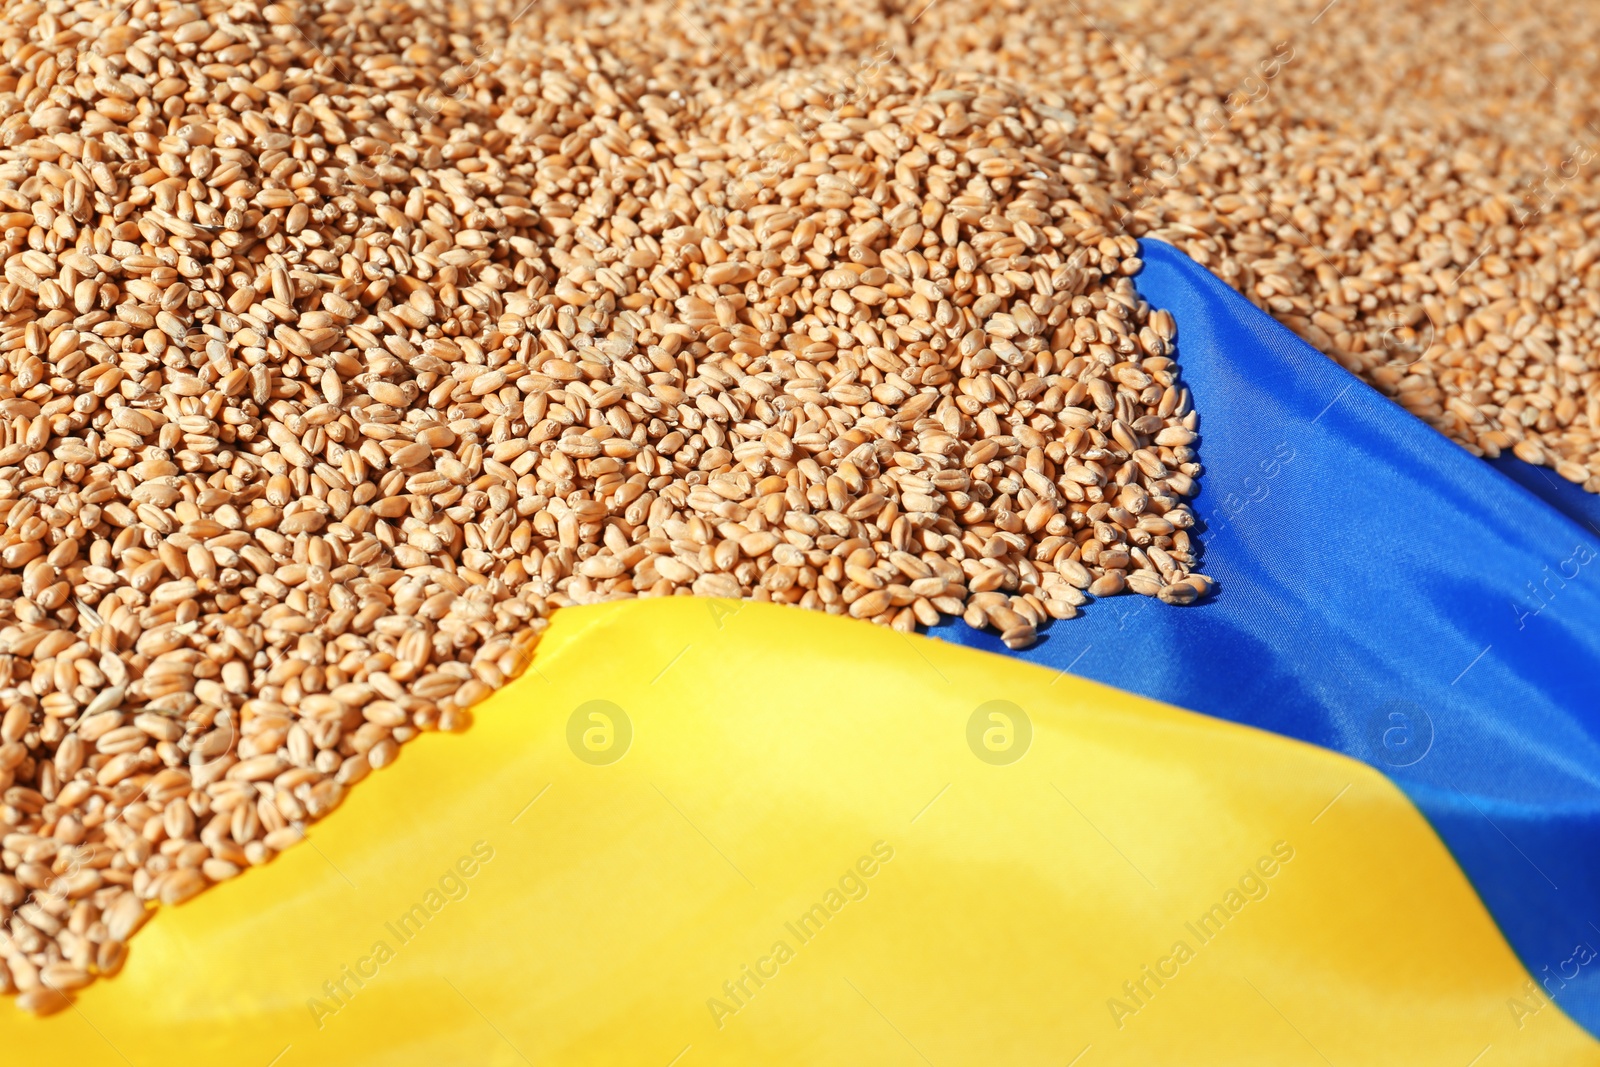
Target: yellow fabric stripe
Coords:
[(835, 807)]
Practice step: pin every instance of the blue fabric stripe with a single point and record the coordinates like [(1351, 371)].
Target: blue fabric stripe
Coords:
[(1583, 508), (1385, 594)]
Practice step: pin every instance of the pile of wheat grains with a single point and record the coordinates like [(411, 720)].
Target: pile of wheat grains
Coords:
[(341, 343)]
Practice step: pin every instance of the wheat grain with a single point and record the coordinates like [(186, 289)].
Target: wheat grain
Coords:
[(341, 344)]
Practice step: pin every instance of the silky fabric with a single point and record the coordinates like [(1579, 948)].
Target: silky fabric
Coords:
[(702, 833), (1385, 594), (1579, 506)]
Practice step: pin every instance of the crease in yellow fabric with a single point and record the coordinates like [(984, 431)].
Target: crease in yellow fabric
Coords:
[(817, 848)]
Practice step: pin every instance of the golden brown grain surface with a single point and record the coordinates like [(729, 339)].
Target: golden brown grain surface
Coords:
[(342, 342)]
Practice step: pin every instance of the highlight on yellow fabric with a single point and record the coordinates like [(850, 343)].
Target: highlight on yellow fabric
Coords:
[(701, 832)]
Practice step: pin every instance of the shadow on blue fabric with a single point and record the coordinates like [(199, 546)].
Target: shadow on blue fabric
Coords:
[(1384, 594)]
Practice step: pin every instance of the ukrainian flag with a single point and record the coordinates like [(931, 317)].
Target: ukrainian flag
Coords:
[(1347, 812)]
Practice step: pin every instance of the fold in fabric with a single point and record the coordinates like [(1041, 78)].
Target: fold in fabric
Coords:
[(711, 833), (1385, 594), (1577, 505)]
